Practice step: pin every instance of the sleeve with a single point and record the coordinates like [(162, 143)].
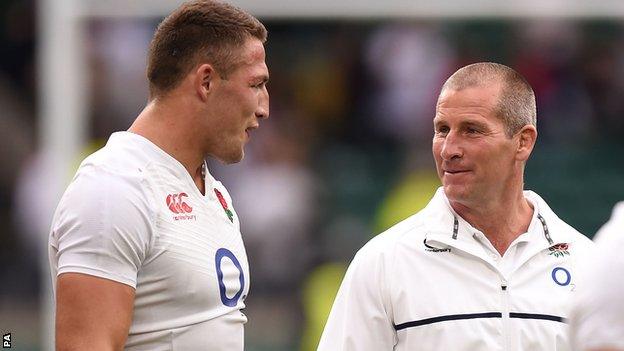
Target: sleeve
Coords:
[(102, 228), (598, 312), (360, 319)]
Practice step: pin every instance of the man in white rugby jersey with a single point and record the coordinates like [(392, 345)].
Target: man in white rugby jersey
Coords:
[(486, 265), (145, 248), (597, 320)]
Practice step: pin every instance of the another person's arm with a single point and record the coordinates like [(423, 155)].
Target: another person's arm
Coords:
[(597, 318), (92, 313)]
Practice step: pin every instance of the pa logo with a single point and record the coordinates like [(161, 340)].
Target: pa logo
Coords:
[(6, 341)]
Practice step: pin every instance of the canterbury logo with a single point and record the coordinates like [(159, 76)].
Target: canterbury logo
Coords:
[(435, 249), (176, 203)]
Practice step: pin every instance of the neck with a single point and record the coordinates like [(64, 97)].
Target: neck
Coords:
[(166, 124), (501, 221)]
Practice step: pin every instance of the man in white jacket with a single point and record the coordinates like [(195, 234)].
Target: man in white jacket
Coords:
[(486, 265)]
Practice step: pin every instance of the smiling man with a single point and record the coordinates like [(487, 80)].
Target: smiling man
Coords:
[(486, 265), (145, 249)]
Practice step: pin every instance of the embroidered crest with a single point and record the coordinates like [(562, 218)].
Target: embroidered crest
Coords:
[(559, 250), (224, 205)]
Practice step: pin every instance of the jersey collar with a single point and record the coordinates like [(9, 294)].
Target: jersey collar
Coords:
[(160, 156)]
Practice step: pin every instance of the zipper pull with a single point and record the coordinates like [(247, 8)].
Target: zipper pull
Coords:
[(504, 285)]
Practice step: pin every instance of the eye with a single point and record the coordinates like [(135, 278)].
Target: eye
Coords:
[(442, 130), (260, 85), (472, 129)]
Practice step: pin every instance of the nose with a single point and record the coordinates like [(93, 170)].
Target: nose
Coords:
[(263, 105), (451, 148)]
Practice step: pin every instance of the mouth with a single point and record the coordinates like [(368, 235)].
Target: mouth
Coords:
[(249, 129), (454, 171)]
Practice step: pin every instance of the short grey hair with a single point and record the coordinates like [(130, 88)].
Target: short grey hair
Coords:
[(516, 103)]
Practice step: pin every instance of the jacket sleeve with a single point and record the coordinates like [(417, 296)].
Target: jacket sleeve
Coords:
[(361, 317), (597, 318)]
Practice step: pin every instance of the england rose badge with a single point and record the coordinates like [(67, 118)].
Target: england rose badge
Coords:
[(224, 204)]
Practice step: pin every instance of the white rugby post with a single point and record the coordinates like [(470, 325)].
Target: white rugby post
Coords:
[(63, 74), (62, 123)]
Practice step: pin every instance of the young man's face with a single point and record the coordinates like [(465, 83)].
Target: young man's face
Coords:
[(238, 103), (475, 159)]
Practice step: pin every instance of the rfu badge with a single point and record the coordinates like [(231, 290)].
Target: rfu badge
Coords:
[(559, 250)]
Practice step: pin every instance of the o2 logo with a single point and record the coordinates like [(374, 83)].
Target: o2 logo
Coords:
[(219, 256), (561, 276)]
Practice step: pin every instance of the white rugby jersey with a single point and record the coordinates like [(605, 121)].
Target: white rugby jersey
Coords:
[(434, 282), (597, 319), (134, 215)]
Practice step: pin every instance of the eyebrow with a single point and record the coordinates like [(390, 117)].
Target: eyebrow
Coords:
[(474, 123), (437, 122)]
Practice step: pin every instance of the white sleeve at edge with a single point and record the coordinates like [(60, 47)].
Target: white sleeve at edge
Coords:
[(101, 228), (598, 313), (359, 320)]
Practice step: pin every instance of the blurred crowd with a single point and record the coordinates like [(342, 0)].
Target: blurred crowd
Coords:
[(346, 151)]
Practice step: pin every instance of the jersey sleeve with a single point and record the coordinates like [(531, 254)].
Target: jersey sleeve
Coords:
[(360, 319), (598, 312), (102, 227)]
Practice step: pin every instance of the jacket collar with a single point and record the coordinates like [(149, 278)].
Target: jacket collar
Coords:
[(442, 221)]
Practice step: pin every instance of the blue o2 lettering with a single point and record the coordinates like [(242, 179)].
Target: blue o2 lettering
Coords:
[(561, 276), (221, 253)]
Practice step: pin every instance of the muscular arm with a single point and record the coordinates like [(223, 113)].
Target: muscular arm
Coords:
[(92, 313)]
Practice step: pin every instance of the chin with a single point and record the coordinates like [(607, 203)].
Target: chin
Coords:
[(232, 158), (455, 192)]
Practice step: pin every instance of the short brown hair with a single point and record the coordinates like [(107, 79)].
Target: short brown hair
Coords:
[(516, 103), (200, 30)]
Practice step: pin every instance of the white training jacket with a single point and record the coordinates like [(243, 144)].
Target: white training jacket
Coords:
[(433, 282), (597, 320)]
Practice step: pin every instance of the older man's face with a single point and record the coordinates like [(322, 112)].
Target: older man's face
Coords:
[(475, 159)]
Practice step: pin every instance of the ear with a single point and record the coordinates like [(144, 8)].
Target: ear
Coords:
[(205, 78), (527, 138)]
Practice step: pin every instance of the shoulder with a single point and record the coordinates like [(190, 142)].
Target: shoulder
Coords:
[(119, 169), (124, 153), (384, 245), (567, 233), (95, 182), (401, 238), (560, 231), (106, 188), (612, 232), (414, 229)]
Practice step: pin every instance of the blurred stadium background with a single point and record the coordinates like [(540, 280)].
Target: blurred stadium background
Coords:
[(346, 152)]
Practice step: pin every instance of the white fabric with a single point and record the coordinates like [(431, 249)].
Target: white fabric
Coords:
[(598, 315), (396, 279), (114, 222)]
